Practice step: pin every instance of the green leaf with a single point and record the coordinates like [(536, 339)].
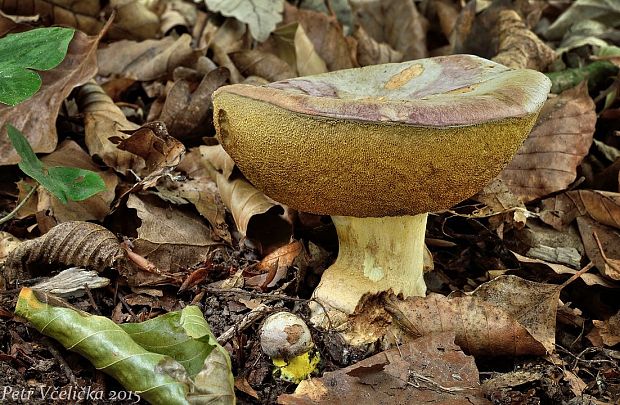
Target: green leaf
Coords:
[(157, 378), (147, 357), (40, 49), (65, 183), (186, 337)]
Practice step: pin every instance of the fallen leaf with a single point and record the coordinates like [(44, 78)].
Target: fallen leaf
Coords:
[(326, 36), (253, 62), (84, 15), (371, 52), (178, 15), (308, 60), (274, 266), (547, 162), (147, 60), (224, 39), (394, 22), (602, 246), (104, 120), (97, 207), (605, 11), (429, 370), (520, 48), (133, 20), (36, 117), (608, 330), (262, 16), (172, 239), (588, 278), (561, 210)]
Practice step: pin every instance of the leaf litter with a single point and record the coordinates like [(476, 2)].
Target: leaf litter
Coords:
[(177, 228)]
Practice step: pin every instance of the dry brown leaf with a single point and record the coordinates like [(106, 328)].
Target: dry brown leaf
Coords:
[(481, 328), (500, 200), (84, 15), (72, 243), (588, 278), (309, 62), (548, 160), (102, 121), (326, 36), (133, 20), (8, 243), (225, 39), (602, 245), (371, 52), (147, 60), (561, 210), (607, 331), (178, 15), (520, 48), (274, 266), (171, 239), (394, 22), (36, 117), (447, 14), (97, 207), (253, 62), (429, 370), (187, 111), (257, 216)]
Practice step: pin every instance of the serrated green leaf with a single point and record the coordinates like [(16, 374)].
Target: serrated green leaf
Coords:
[(39, 49), (156, 377), (65, 183)]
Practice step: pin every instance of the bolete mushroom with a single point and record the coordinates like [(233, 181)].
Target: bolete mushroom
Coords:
[(377, 148)]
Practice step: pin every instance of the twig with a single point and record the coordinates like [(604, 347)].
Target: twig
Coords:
[(61, 361), (254, 294), (11, 214), (450, 390), (247, 320)]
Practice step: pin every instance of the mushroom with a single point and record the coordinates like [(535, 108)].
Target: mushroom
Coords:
[(377, 148), (286, 339)]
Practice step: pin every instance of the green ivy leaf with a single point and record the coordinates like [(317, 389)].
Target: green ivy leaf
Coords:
[(40, 49), (65, 183)]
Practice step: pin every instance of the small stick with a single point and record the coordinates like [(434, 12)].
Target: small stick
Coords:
[(247, 320), (11, 214), (61, 361)]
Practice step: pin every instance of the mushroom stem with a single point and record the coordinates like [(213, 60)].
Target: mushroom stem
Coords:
[(375, 255)]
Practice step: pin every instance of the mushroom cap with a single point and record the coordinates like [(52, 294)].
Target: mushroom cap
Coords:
[(285, 335), (384, 140)]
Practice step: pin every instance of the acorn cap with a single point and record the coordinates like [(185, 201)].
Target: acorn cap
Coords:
[(384, 140)]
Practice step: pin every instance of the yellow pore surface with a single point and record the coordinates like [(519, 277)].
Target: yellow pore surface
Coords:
[(358, 168)]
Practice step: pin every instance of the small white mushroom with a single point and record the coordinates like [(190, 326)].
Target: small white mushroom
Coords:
[(285, 336)]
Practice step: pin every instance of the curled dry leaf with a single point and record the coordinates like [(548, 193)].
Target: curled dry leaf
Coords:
[(371, 52), (69, 154), (262, 16), (102, 121), (222, 40), (499, 200), (133, 20), (84, 15), (253, 62), (72, 243), (274, 266), (326, 36), (602, 245), (588, 278), (36, 117), (147, 60), (394, 22), (606, 332), (168, 237), (507, 316), (256, 215), (178, 15), (547, 162), (203, 194), (561, 210), (429, 370), (481, 328), (308, 60), (519, 47)]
